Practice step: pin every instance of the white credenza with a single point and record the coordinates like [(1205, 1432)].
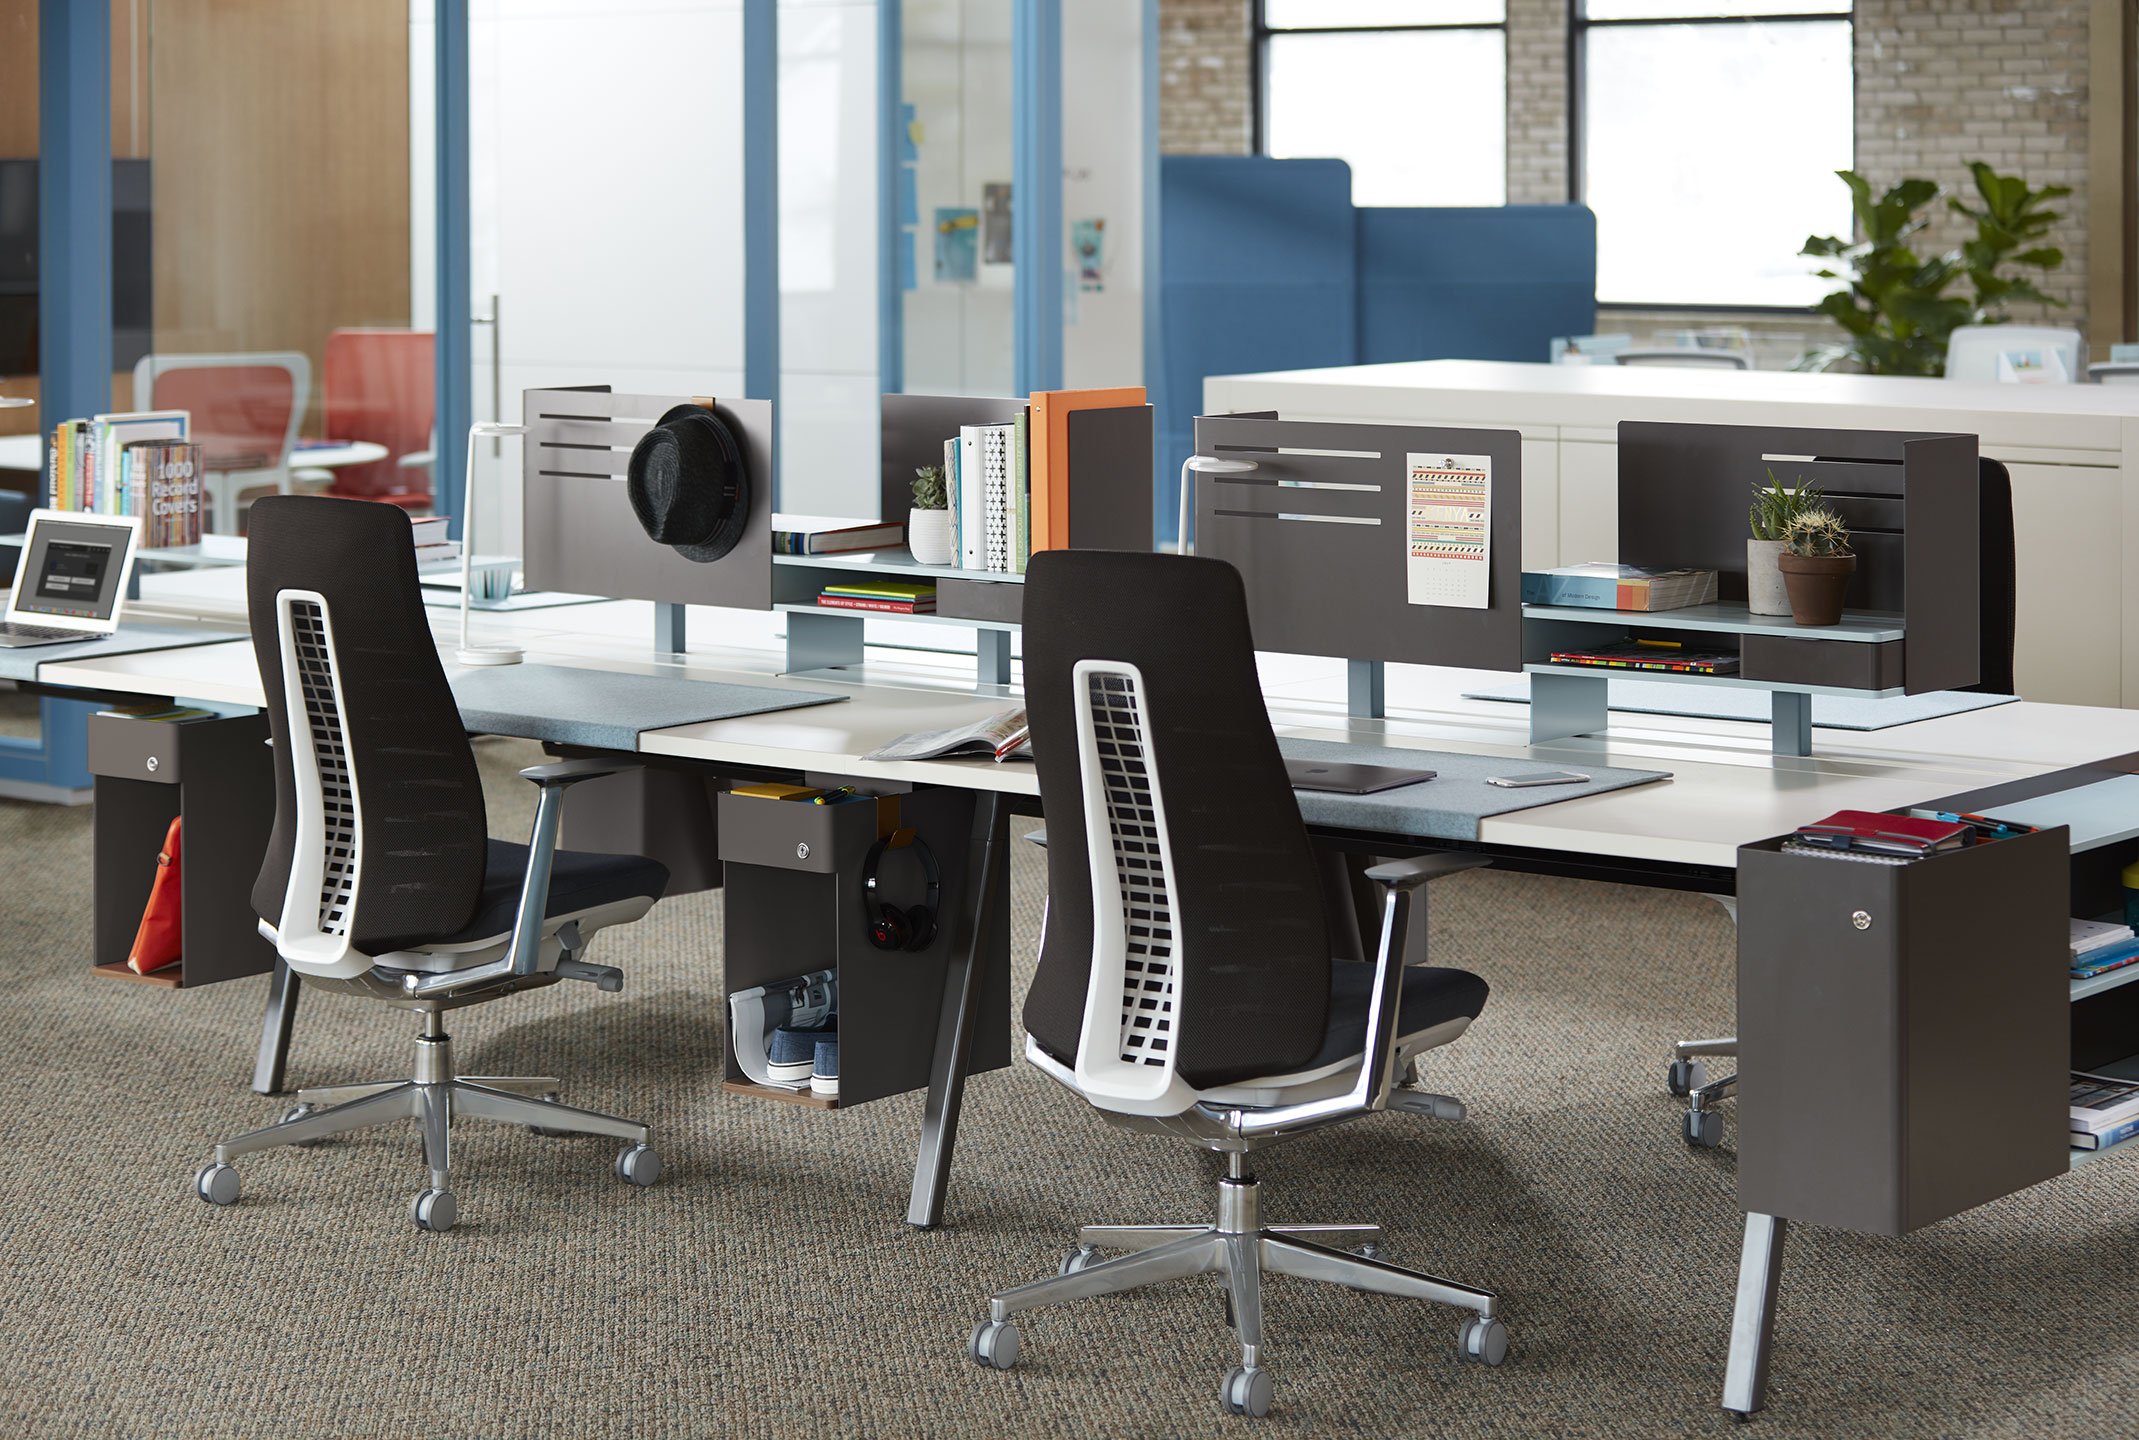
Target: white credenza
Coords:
[(2073, 451)]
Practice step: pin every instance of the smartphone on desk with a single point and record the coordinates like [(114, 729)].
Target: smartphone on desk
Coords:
[(1529, 778)]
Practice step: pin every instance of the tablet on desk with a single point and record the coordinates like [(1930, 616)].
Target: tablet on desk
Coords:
[(1341, 779)]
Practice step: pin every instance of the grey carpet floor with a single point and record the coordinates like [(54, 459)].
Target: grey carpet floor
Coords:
[(767, 1285)]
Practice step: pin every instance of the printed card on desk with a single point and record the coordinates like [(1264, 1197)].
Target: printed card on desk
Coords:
[(1448, 539)]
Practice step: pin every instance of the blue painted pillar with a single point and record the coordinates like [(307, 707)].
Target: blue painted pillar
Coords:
[(1036, 192), (890, 183), (455, 352), (761, 202), (1165, 504), (73, 210)]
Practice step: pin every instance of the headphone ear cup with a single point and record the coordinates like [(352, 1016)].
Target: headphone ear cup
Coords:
[(923, 921), (889, 930)]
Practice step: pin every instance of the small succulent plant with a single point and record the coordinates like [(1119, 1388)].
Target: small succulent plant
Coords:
[(929, 493), (1777, 505), (1818, 533)]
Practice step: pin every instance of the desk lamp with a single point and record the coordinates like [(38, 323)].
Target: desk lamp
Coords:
[(1202, 465), (469, 654)]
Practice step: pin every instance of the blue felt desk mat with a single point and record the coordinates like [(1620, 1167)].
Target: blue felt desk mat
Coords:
[(604, 709), (1832, 712), (23, 664), (1449, 806)]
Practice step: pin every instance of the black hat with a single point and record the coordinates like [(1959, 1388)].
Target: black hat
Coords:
[(688, 485)]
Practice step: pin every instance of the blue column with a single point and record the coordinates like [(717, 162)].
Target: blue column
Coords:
[(1036, 192), (761, 208), (73, 210), (455, 354), (1166, 512), (890, 179)]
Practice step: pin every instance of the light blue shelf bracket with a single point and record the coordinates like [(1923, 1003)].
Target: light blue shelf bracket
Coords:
[(1366, 689), (671, 628), (994, 651), (1792, 725), (1563, 706)]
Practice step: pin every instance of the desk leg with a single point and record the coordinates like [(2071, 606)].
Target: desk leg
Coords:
[(1563, 706), (275, 1028), (962, 981), (1792, 723), (1745, 1380)]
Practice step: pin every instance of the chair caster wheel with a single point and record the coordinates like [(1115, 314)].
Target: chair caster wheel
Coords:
[(1248, 1391), (217, 1183), (1484, 1340), (638, 1165), (1704, 1128), (548, 1098), (1080, 1257), (298, 1112), (434, 1210), (1685, 1076), (1369, 1251), (994, 1344)]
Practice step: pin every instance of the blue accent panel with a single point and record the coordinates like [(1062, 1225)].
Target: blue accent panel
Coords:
[(1036, 193), (761, 205), (1154, 315), (1256, 271), (895, 200), (455, 342), (59, 756), (74, 209), (1474, 284)]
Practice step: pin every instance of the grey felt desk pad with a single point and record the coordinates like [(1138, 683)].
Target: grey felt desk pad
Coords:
[(1832, 712), (604, 709), (1449, 806), (22, 664)]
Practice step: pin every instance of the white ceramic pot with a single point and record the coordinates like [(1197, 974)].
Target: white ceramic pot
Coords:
[(1765, 592), (928, 535)]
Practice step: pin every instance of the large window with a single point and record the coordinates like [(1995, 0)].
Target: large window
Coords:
[(1707, 136), (1413, 93)]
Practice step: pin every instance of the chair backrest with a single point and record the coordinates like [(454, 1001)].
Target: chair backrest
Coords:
[(380, 834), (1185, 936), (377, 385), (245, 408), (2114, 372), (1972, 351), (1685, 357)]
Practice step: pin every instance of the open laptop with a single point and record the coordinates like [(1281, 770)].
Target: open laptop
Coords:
[(72, 579)]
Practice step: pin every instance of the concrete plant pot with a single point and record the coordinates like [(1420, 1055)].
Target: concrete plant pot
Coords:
[(1765, 593), (1817, 584)]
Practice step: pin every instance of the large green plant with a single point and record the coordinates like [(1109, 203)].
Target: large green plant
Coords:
[(1894, 305)]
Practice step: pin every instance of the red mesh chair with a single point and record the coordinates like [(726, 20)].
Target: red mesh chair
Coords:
[(245, 411), (377, 385)]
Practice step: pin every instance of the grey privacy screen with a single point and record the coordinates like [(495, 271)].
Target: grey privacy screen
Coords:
[(1319, 531)]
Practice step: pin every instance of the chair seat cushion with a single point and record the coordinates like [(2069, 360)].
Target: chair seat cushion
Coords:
[(580, 880), (1432, 996)]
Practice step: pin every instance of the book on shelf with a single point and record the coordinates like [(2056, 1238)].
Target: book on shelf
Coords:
[(86, 467), (2102, 1103), (887, 607), (998, 513), (163, 486), (2094, 934), (1602, 586), (1050, 455), (825, 535), (1002, 736), (1665, 657), (445, 552), (972, 502), (954, 493), (2102, 960), (1021, 493), (2088, 1140), (890, 596)]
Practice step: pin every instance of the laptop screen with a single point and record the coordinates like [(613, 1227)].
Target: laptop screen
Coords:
[(72, 570)]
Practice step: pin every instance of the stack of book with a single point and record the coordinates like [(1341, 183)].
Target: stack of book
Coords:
[(891, 597), (162, 480), (1667, 657), (2105, 1110), (820, 535), (2100, 946), (1601, 586), (433, 545), (1009, 483), (92, 465)]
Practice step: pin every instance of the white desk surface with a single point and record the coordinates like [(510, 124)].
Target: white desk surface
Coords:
[(1727, 787)]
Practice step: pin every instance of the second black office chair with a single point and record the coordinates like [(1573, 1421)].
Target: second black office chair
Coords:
[(1185, 984), (381, 878)]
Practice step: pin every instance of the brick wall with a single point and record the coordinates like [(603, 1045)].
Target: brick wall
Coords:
[(1939, 83)]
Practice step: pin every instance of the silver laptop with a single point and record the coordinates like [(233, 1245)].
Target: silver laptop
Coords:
[(1339, 778), (72, 579)]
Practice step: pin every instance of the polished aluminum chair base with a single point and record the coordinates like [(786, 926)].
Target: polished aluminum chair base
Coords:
[(434, 1098), (1703, 1126), (1240, 1248)]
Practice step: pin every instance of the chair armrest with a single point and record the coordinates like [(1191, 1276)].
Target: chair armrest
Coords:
[(1417, 870), (560, 773)]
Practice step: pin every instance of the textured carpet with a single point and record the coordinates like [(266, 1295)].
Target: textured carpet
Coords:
[(767, 1285)]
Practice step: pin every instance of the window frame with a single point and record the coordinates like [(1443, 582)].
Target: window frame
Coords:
[(1578, 27), (1261, 33)]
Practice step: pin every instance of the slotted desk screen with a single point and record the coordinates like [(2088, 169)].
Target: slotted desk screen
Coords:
[(1320, 532)]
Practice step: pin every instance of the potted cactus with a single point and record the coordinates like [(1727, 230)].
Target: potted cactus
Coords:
[(928, 524), (1816, 565), (1774, 507)]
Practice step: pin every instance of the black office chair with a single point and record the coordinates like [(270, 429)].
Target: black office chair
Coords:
[(380, 877), (1185, 984), (1996, 610)]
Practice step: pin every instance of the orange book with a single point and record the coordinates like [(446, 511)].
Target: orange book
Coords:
[(1050, 456)]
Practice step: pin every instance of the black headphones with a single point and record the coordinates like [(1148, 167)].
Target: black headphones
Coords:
[(891, 928)]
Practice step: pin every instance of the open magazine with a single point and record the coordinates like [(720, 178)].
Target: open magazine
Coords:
[(1005, 736)]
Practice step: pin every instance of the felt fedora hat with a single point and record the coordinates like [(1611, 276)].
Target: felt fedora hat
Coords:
[(688, 485)]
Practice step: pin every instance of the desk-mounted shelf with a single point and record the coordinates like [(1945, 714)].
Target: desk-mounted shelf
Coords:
[(1864, 627), (805, 1098), (1719, 682), (2107, 980), (2122, 1147), (894, 564), (841, 612)]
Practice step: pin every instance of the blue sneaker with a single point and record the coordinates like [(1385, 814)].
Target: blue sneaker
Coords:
[(824, 1068), (791, 1054)]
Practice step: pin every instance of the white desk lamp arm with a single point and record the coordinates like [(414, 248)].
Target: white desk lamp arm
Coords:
[(1206, 465)]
